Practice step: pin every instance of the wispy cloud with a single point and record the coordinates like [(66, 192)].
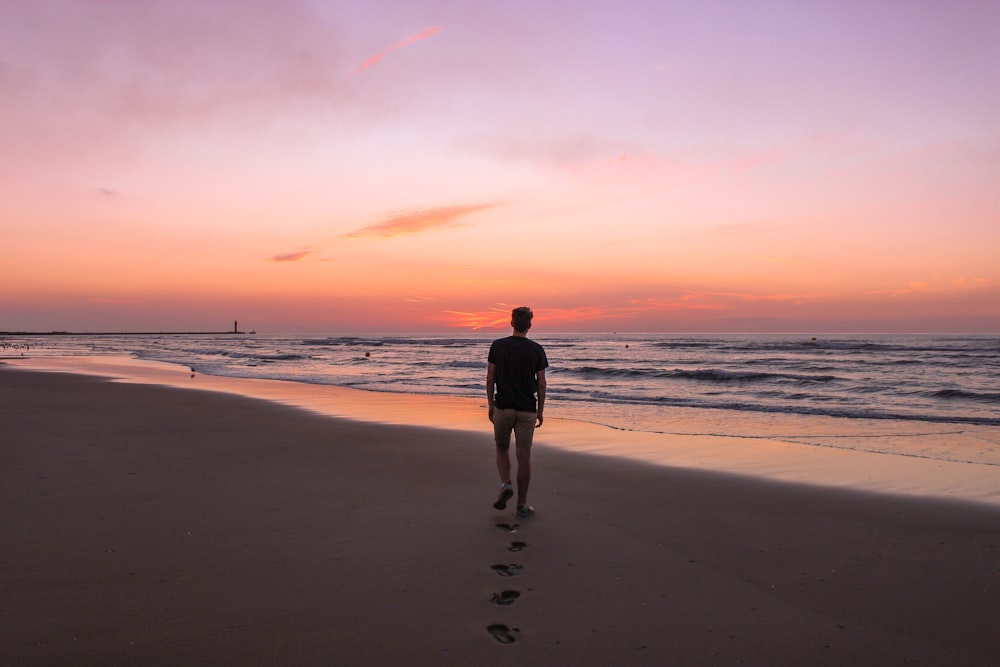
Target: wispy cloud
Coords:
[(419, 221), (926, 287), (971, 282), (433, 30), (292, 256), (491, 318), (498, 317)]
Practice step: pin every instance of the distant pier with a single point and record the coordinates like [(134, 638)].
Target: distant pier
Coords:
[(120, 333)]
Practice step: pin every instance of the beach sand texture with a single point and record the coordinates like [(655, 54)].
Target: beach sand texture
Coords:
[(150, 525)]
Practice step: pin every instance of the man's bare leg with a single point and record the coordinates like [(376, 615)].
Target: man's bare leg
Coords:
[(503, 468), (523, 474), (503, 464)]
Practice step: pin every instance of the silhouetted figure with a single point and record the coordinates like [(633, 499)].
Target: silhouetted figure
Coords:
[(515, 375)]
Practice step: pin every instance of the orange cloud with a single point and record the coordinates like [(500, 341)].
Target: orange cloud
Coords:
[(925, 287), (970, 282), (498, 317), (419, 221), (492, 318), (395, 47), (292, 256)]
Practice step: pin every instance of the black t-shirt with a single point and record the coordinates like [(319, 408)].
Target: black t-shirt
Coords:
[(517, 360)]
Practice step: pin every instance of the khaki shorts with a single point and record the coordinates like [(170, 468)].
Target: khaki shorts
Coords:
[(520, 422)]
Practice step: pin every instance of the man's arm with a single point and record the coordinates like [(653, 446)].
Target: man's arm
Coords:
[(491, 384), (541, 397)]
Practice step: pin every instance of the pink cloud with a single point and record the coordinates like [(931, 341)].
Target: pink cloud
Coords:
[(292, 256), (433, 30)]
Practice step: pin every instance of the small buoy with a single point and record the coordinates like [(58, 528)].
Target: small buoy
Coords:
[(368, 354)]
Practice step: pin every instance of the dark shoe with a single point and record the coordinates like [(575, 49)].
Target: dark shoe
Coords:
[(506, 492), (524, 511)]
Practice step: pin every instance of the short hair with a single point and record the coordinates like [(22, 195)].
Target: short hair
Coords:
[(520, 318)]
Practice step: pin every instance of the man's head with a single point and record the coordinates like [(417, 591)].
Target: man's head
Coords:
[(520, 319)]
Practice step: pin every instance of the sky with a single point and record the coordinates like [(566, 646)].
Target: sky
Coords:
[(400, 165)]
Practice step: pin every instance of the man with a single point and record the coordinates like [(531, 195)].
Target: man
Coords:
[(515, 374)]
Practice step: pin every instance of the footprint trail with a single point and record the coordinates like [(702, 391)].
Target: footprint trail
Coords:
[(500, 632)]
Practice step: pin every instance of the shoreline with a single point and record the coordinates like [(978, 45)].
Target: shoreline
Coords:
[(695, 446), (161, 526)]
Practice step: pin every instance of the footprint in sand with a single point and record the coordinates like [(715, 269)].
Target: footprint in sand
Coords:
[(505, 597), (500, 632), (503, 634)]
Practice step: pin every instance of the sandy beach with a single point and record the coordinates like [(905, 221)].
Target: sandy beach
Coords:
[(153, 525)]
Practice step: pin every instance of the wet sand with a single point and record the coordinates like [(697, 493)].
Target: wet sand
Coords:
[(154, 525)]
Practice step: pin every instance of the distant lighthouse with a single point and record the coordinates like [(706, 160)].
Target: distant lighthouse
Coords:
[(236, 328)]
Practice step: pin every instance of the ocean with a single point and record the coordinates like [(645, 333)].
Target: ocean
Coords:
[(932, 396)]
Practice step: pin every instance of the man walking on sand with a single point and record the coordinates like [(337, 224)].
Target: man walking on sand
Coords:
[(515, 374)]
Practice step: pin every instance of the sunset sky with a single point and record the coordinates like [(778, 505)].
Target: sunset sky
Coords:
[(333, 166)]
